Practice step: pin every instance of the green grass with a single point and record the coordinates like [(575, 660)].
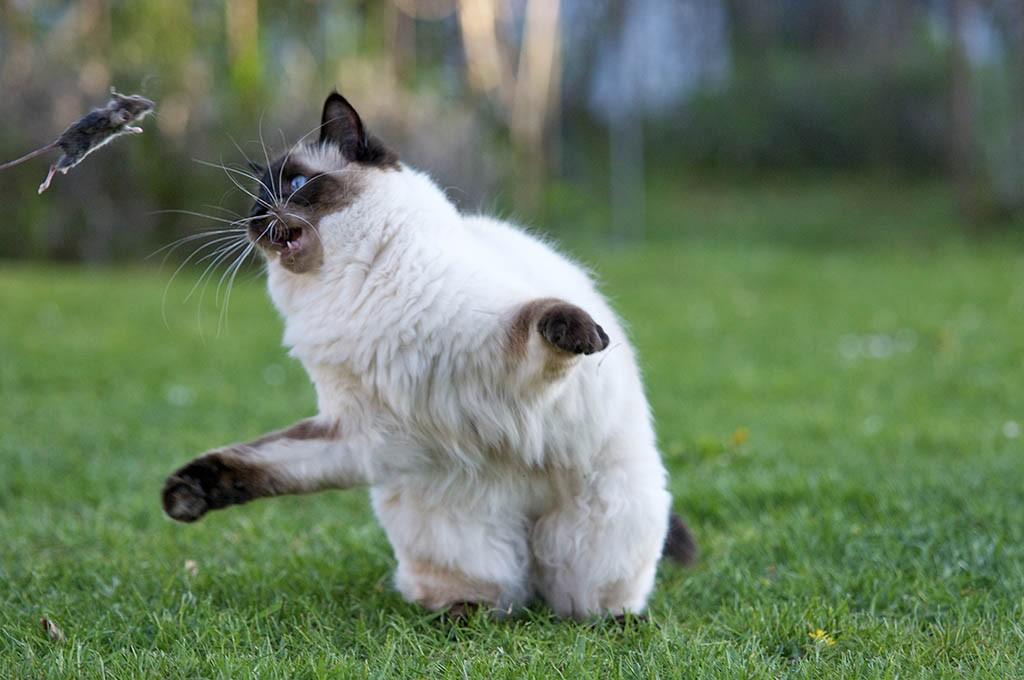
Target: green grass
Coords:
[(877, 495)]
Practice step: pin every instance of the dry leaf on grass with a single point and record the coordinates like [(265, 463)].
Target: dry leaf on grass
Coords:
[(51, 630)]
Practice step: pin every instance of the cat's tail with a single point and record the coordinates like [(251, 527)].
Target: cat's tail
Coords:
[(680, 545)]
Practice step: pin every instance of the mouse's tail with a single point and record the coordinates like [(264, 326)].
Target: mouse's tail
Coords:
[(680, 545), (30, 155)]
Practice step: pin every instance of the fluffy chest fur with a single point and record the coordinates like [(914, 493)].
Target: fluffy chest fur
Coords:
[(407, 333)]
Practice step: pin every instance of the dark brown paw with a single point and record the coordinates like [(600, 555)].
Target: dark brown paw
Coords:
[(572, 330), (184, 498), (208, 483), (459, 612), (625, 620)]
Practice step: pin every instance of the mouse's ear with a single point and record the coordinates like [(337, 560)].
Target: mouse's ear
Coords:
[(340, 125)]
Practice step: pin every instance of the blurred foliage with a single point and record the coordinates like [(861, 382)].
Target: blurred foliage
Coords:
[(794, 85), (799, 114), (230, 80)]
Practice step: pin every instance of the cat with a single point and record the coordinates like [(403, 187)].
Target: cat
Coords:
[(467, 373)]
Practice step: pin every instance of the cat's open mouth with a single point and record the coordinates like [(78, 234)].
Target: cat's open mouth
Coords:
[(298, 247), (282, 238)]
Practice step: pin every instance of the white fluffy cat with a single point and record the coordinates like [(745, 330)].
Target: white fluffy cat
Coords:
[(464, 373)]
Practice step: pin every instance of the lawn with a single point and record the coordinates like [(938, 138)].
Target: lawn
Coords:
[(842, 422)]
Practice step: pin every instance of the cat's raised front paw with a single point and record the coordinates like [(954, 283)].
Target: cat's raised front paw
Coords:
[(572, 330)]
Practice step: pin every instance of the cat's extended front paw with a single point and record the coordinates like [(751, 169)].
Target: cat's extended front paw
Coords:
[(572, 330), (184, 498), (207, 483)]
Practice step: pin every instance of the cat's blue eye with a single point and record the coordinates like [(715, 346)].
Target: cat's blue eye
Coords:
[(297, 182)]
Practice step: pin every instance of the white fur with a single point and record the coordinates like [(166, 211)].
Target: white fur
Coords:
[(493, 479)]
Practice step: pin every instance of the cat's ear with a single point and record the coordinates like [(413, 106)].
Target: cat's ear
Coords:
[(341, 126)]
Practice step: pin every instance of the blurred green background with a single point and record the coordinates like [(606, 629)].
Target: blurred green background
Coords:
[(586, 117)]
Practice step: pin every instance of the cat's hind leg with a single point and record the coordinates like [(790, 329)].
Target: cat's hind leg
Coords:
[(597, 552), (453, 555)]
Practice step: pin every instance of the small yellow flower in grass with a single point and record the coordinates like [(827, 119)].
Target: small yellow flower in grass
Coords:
[(821, 637), (740, 436)]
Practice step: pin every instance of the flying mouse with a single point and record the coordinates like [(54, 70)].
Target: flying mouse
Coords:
[(92, 131)]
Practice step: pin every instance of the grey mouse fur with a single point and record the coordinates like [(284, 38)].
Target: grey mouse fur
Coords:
[(92, 131)]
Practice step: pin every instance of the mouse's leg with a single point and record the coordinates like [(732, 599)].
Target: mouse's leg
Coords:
[(49, 177), (133, 129)]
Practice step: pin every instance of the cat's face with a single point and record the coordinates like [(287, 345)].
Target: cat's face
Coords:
[(300, 191)]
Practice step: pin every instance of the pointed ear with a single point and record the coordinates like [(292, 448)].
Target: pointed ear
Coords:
[(340, 125)]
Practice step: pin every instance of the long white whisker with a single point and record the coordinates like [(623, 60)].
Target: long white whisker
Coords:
[(308, 223), (246, 251), (231, 169), (252, 245), (167, 288), (266, 155), (220, 283), (218, 256), (173, 245), (288, 154), (221, 257), (299, 217), (231, 285), (259, 272), (198, 250), (228, 170), (221, 208), (284, 162), (193, 213), (311, 179), (248, 160), (265, 204), (315, 128)]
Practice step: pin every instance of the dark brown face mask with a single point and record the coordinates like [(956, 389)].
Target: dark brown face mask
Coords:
[(292, 198)]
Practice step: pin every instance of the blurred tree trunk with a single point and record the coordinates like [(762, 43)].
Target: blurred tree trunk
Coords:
[(625, 148), (963, 170), (536, 87), (527, 96), (1015, 58), (403, 45)]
